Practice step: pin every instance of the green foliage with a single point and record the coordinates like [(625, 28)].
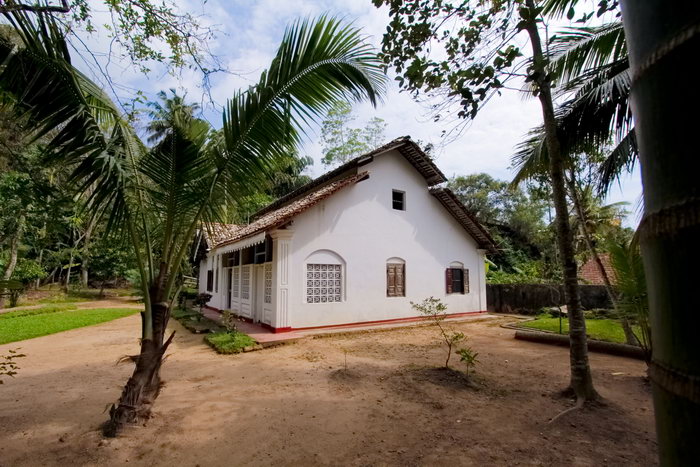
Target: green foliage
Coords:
[(630, 284), (229, 343), (468, 357), (529, 272), (149, 31), (228, 321), (30, 326), (341, 142), (202, 299), (109, 260), (28, 271), (472, 41), (8, 363), (436, 312)]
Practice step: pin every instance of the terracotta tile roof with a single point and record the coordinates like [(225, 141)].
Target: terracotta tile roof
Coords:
[(216, 232), (455, 207), (409, 149), (589, 272), (285, 213)]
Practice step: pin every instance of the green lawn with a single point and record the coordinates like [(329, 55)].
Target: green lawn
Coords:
[(20, 325), (602, 329)]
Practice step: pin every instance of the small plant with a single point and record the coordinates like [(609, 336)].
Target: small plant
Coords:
[(201, 300), (228, 321), (8, 365), (436, 311), (468, 357)]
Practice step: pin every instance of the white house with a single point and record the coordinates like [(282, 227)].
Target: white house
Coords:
[(356, 245)]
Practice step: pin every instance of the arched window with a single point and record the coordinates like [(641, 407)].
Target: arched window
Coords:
[(456, 278), (325, 277), (395, 277)]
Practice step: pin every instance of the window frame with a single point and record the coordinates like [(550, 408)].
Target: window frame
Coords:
[(403, 200), (450, 280), (395, 266)]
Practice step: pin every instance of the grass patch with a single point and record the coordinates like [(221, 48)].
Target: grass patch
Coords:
[(228, 343), (39, 311), (602, 329), (27, 326)]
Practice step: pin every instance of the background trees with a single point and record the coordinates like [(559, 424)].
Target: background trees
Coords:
[(341, 142)]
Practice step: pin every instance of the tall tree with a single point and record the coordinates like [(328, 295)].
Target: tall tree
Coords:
[(479, 56), (158, 198), (341, 142), (662, 36)]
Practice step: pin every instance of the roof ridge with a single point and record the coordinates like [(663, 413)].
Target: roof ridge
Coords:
[(279, 217), (425, 166)]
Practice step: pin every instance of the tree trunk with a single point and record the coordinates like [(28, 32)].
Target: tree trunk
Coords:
[(630, 338), (663, 40), (41, 258), (85, 256), (14, 249), (143, 387), (581, 379)]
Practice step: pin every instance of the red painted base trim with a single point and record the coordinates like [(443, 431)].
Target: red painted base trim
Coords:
[(412, 319)]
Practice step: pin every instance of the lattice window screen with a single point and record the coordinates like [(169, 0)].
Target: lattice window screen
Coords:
[(323, 283), (268, 283)]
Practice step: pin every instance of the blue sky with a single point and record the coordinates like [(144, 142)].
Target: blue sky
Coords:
[(250, 32)]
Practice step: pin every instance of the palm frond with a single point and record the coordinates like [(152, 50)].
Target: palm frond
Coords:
[(575, 50), (621, 159), (317, 63)]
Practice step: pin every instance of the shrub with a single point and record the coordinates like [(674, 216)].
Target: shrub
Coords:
[(201, 300), (229, 343), (436, 311), (468, 356)]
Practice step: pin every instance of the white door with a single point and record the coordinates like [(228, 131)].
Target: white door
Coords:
[(259, 293)]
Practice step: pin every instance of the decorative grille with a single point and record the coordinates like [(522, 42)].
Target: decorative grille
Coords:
[(323, 283)]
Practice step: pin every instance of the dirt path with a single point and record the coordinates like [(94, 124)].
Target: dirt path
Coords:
[(296, 405)]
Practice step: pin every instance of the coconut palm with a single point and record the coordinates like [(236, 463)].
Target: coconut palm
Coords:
[(162, 113), (158, 198), (591, 68)]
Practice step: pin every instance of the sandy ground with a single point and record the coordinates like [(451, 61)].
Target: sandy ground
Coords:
[(297, 405)]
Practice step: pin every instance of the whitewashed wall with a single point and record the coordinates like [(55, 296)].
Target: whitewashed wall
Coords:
[(359, 225)]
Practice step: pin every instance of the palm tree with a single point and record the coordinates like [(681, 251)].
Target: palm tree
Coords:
[(158, 198), (162, 114), (591, 68), (662, 37)]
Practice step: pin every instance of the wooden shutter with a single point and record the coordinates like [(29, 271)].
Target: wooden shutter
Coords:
[(448, 280), (465, 276), (400, 276), (390, 280)]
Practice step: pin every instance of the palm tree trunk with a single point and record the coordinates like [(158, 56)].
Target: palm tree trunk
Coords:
[(581, 379), (14, 249), (663, 37), (630, 338), (143, 387)]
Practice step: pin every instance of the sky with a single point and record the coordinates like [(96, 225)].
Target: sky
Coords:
[(248, 37)]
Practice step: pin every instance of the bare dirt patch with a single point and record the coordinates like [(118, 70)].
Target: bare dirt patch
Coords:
[(299, 404)]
